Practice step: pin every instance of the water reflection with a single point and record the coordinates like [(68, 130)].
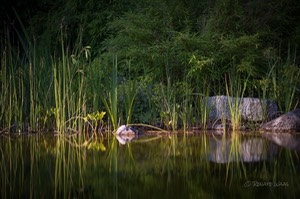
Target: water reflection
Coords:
[(287, 140), (126, 138), (223, 150), (172, 166)]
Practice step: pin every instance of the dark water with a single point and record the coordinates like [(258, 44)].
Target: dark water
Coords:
[(170, 166)]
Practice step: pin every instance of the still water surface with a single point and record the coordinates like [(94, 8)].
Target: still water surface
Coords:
[(168, 166)]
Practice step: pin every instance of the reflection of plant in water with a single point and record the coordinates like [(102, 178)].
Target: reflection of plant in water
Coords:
[(172, 152), (70, 166), (171, 165), (96, 145), (235, 163), (112, 160)]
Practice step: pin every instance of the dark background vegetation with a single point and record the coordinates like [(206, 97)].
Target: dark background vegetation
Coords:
[(166, 49)]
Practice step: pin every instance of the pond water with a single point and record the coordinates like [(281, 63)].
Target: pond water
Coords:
[(168, 166)]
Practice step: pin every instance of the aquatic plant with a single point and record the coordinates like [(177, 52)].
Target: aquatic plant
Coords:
[(235, 89), (282, 78), (159, 71), (111, 104), (130, 90), (169, 106), (95, 120), (69, 92)]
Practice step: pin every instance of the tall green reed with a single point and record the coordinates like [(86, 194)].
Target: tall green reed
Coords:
[(12, 78), (32, 87), (59, 72), (202, 107), (25, 81), (130, 91), (235, 89), (69, 89), (6, 101), (186, 106), (282, 79), (33, 82), (31, 67), (111, 104), (169, 105)]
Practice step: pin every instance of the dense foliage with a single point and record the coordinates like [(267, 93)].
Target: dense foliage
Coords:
[(168, 55)]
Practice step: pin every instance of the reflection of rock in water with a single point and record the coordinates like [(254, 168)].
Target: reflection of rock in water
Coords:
[(219, 150), (253, 150), (249, 150), (287, 140), (123, 139), (125, 134)]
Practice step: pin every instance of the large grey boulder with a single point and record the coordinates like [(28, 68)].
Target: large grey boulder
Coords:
[(255, 109), (218, 107), (250, 109), (287, 122)]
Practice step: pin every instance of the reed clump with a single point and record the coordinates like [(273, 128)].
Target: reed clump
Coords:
[(140, 68)]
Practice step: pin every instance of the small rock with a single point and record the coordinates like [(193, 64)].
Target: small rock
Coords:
[(287, 122), (125, 130)]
